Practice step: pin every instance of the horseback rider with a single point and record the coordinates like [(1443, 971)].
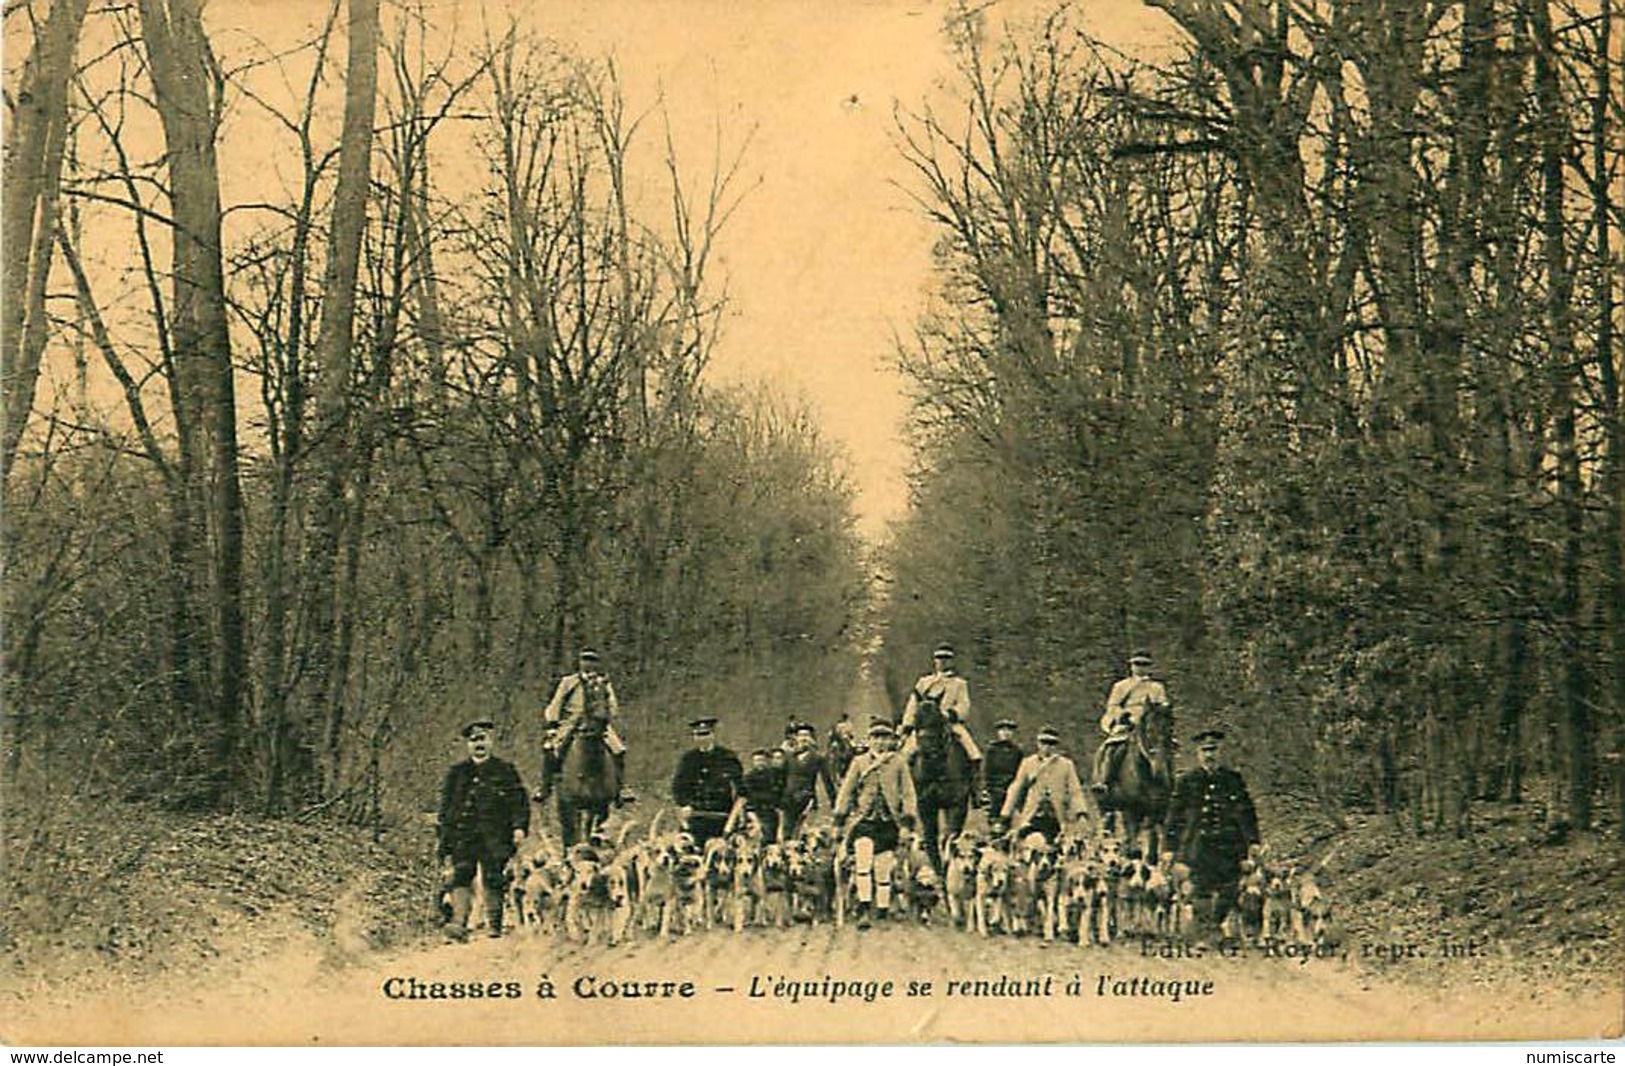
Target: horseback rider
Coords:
[(941, 754), (878, 795), (1000, 762), (1046, 795), (1128, 702), (950, 695), (707, 783), (585, 693)]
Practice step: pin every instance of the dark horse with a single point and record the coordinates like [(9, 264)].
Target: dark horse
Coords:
[(1140, 795), (586, 782), (942, 787)]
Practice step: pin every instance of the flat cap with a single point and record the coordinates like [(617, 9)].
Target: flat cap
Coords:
[(1209, 738), (1005, 723), (1140, 656), (943, 651), (1049, 733), (703, 725), (881, 728), (479, 725)]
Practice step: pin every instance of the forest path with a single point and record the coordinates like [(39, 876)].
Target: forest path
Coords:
[(302, 997)]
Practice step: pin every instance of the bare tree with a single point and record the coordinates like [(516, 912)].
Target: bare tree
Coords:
[(333, 446), (35, 140), (187, 85)]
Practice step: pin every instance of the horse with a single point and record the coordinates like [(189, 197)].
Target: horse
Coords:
[(586, 782), (942, 790), (1144, 784)]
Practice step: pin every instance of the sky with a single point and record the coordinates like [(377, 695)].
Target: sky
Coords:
[(827, 259)]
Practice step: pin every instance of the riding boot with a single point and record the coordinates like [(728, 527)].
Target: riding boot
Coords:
[(625, 795), (461, 900), (1106, 769), (544, 777), (863, 915)]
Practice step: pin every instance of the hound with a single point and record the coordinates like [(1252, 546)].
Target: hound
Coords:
[(959, 880)]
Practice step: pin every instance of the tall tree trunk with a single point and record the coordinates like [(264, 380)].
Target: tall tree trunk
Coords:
[(1574, 725), (1613, 476), (277, 681), (35, 141), (333, 407), (1506, 772), (186, 86)]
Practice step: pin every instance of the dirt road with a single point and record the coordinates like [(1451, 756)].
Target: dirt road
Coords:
[(896, 983)]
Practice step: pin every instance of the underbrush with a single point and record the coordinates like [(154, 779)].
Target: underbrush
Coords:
[(1518, 907), (132, 891)]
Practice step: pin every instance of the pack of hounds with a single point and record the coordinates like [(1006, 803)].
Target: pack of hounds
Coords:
[(1088, 890)]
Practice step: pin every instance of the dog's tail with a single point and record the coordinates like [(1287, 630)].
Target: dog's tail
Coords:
[(654, 824), (1325, 860), (626, 831)]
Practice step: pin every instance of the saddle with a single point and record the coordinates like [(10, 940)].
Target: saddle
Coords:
[(1115, 750), (564, 739)]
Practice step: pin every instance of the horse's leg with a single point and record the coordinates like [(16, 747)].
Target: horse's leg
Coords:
[(953, 826), (930, 826)]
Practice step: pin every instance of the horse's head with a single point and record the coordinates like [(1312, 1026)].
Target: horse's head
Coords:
[(1156, 725)]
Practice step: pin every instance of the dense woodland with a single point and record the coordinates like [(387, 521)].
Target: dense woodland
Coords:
[(297, 482), (1294, 360)]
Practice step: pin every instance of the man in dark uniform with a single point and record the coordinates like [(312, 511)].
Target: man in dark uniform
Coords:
[(807, 769), (1212, 823), (484, 814), (999, 764), (706, 784), (763, 787)]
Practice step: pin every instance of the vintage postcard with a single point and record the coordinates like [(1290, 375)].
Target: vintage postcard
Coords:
[(861, 522)]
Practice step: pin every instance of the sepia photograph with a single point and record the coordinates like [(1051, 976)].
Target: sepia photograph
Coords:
[(863, 522)]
